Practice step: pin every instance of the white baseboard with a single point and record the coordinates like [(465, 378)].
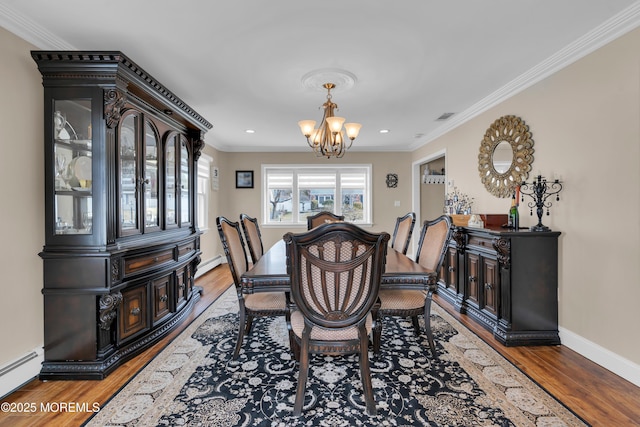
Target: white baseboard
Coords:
[(617, 364), (20, 371), (209, 265)]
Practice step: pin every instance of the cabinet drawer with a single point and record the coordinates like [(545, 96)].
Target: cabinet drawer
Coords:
[(482, 242), (186, 249), (133, 312), (138, 263)]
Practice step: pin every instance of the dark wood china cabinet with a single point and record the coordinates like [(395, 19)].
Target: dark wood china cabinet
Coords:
[(505, 280), (122, 244)]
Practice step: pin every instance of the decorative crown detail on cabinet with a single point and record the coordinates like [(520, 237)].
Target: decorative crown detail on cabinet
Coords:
[(122, 243)]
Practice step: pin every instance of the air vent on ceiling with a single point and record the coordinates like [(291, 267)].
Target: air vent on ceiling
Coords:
[(445, 116)]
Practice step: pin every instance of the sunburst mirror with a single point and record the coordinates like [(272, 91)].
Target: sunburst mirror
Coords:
[(506, 155)]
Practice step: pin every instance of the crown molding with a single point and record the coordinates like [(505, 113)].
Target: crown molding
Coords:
[(30, 31), (613, 28)]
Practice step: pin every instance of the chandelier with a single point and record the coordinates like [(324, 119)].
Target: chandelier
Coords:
[(328, 140)]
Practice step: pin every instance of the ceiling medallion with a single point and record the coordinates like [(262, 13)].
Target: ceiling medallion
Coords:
[(315, 80)]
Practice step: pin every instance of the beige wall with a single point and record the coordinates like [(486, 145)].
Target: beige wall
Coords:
[(22, 194), (585, 122)]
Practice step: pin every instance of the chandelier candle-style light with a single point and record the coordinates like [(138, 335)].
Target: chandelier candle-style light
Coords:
[(328, 140)]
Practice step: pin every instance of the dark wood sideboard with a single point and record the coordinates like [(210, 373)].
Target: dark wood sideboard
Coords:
[(506, 280)]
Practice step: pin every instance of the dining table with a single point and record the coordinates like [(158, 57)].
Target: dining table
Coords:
[(269, 274)]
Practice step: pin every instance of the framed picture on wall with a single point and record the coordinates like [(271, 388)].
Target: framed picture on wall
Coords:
[(244, 179)]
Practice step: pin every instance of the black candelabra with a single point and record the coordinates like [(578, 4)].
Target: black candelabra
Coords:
[(540, 190)]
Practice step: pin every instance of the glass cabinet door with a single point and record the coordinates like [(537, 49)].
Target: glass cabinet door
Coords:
[(185, 206), (72, 157), (151, 178), (128, 164), (170, 181)]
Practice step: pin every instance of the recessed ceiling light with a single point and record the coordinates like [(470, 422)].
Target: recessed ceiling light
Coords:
[(250, 131), (384, 131)]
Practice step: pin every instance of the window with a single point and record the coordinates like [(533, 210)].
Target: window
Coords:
[(204, 166), (291, 194)]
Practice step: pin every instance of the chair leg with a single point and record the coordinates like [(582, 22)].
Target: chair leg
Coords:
[(303, 373), (427, 323), (241, 329), (365, 373), (376, 330), (247, 328), (416, 325), (293, 344)]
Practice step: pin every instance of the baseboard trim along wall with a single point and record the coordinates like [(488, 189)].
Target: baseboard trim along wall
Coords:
[(20, 371), (617, 364), (209, 265)]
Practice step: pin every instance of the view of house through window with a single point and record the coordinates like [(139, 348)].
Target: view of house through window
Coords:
[(291, 194)]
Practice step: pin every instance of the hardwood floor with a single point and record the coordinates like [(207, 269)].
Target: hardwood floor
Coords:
[(592, 392)]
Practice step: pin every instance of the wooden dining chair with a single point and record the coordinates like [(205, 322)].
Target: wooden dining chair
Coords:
[(407, 301), (254, 304), (402, 232), (253, 236), (322, 218), (335, 272)]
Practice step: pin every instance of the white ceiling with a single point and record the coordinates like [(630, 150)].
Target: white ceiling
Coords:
[(240, 63)]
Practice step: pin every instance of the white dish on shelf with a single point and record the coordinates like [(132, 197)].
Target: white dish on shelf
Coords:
[(81, 167), (81, 189)]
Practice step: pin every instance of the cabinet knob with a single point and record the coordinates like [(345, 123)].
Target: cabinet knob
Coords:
[(164, 298), (135, 311), (452, 269), (488, 286), (182, 286), (156, 259), (472, 278)]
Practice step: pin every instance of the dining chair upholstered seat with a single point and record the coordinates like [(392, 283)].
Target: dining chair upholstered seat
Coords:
[(402, 232), (251, 305), (317, 333), (323, 217), (253, 236), (406, 301), (335, 272)]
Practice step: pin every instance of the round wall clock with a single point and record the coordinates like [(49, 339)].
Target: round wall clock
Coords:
[(392, 180)]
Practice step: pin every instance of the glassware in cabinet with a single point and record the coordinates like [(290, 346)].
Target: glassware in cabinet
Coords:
[(72, 157)]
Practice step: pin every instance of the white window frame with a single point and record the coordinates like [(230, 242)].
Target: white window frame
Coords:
[(306, 168), (203, 191)]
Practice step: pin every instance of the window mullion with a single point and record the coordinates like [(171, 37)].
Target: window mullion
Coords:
[(295, 197)]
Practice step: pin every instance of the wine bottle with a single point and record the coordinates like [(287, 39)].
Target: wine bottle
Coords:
[(514, 216)]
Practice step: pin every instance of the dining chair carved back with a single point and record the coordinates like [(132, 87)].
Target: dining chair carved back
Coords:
[(253, 236), (322, 218), (253, 304), (335, 272), (402, 232), (406, 300)]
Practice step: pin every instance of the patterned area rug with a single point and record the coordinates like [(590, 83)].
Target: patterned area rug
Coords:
[(194, 382)]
